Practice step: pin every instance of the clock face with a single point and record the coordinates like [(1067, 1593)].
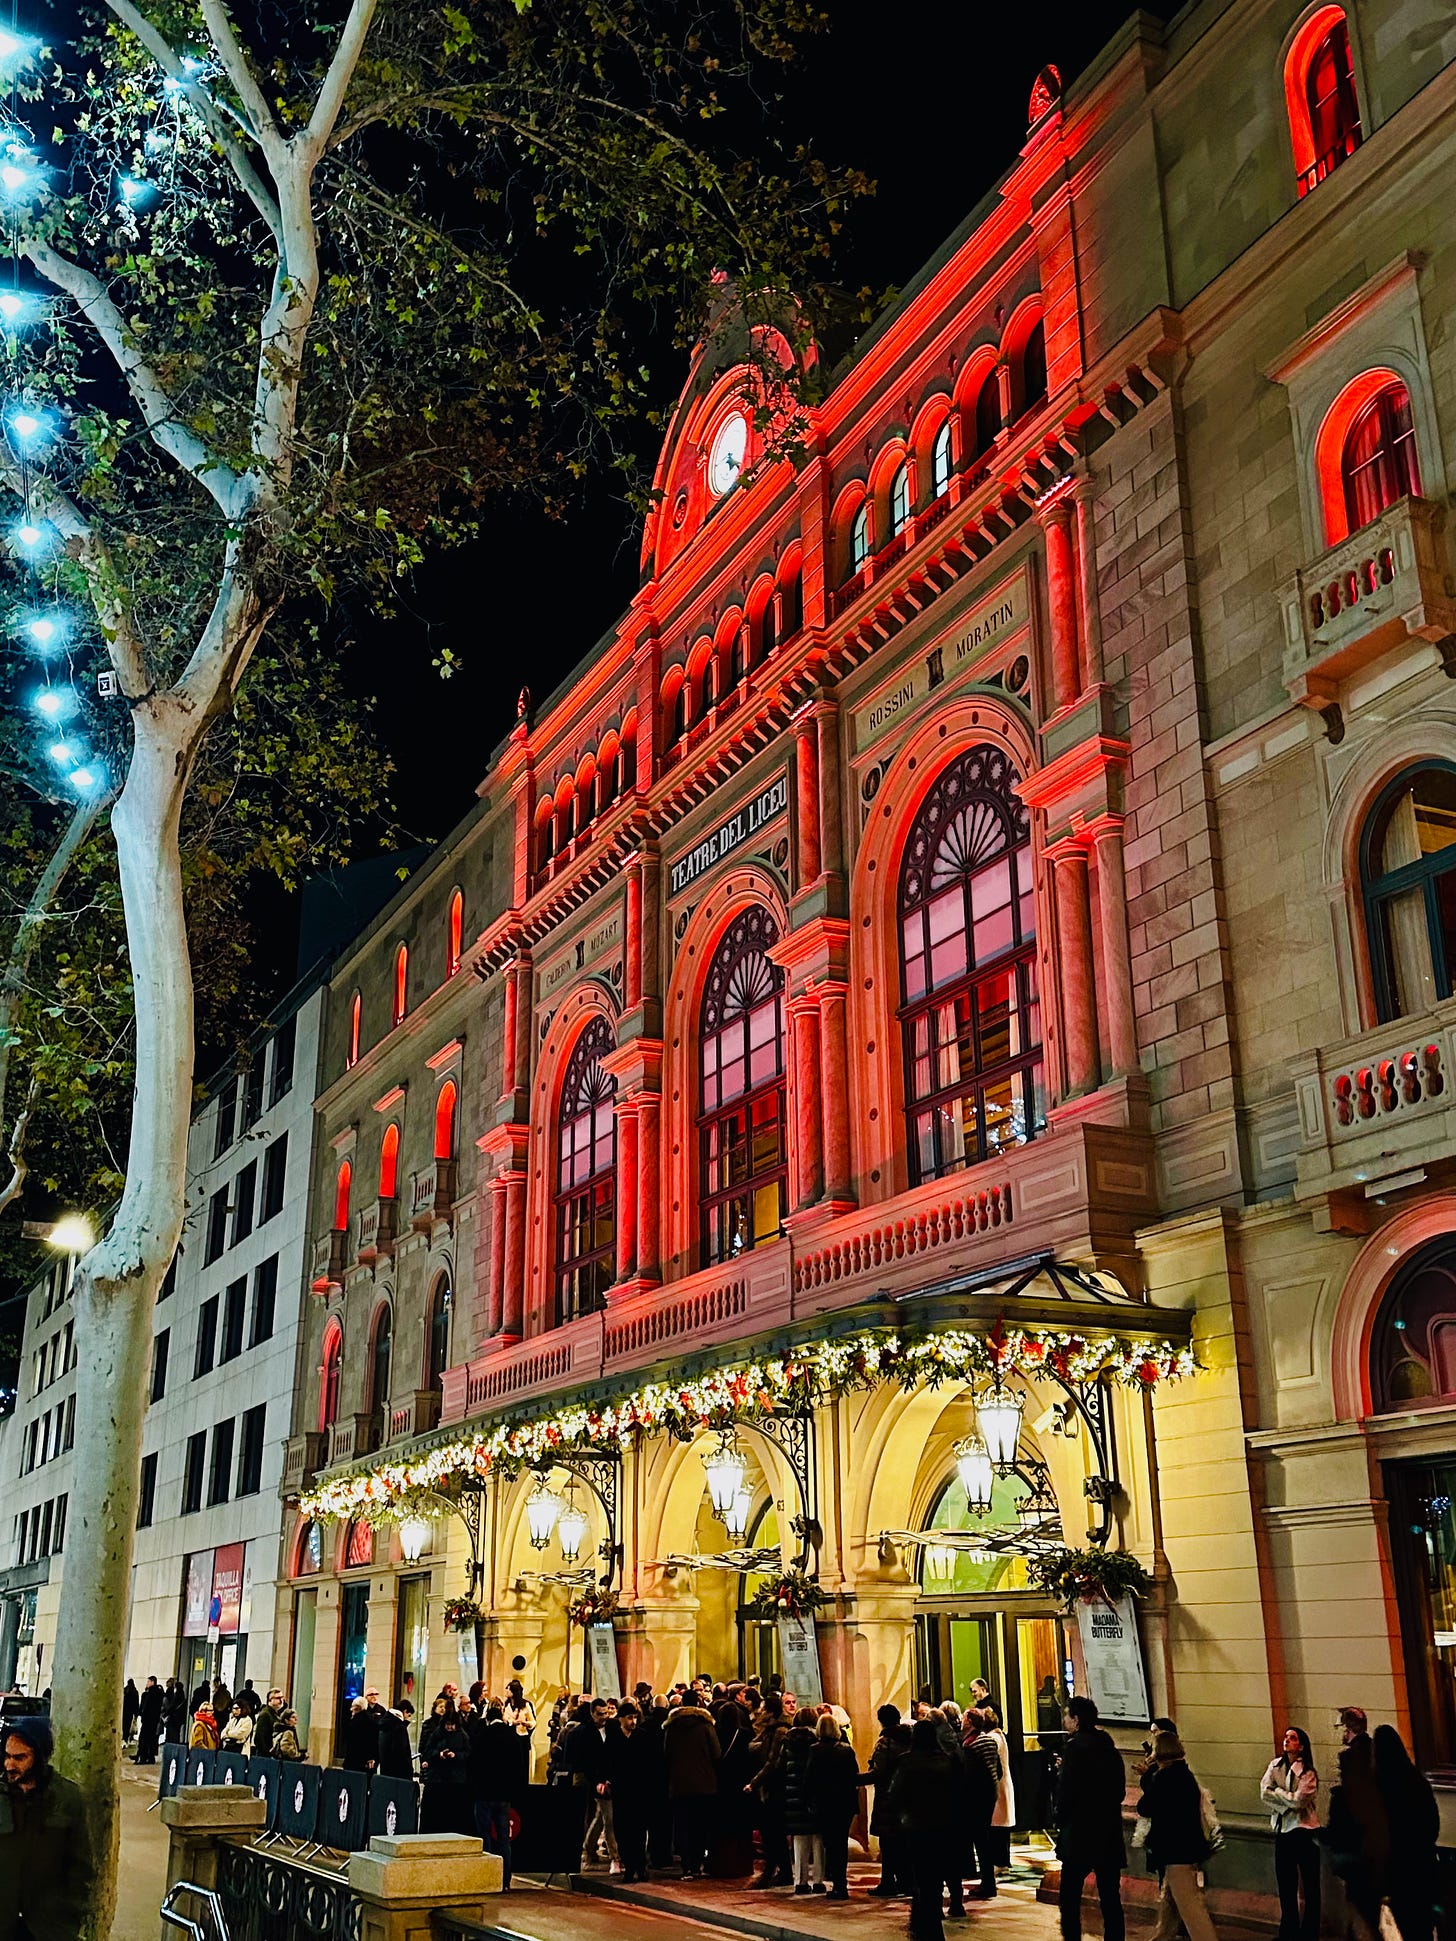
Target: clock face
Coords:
[(729, 450)]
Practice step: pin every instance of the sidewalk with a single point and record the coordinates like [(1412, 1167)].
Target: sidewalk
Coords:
[(142, 1872)]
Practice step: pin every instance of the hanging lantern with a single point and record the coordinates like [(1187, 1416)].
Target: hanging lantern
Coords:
[(973, 1466), (414, 1535), (543, 1506), (998, 1417), (940, 1563), (737, 1517), (571, 1529), (724, 1466)]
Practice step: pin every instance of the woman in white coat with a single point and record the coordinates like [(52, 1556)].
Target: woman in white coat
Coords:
[(1004, 1817)]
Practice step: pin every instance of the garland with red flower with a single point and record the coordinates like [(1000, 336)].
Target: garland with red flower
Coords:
[(748, 1391), (593, 1607), (791, 1595)]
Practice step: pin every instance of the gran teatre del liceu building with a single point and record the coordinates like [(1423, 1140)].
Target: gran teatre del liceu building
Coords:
[(1001, 869)]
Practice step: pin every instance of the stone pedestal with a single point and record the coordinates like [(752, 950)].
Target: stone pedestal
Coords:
[(400, 1882), (196, 1817)]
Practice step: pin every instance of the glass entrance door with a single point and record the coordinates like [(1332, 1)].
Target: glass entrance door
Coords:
[(953, 1650), (353, 1634), (1423, 1546), (300, 1695)]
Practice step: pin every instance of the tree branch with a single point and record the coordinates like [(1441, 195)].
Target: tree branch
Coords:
[(239, 71), (330, 102), (19, 1167), (167, 58), (169, 433)]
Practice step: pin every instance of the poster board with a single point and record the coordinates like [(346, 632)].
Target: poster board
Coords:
[(1112, 1653), (606, 1672), (799, 1656)]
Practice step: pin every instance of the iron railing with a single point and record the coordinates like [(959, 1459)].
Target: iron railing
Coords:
[(265, 1898)]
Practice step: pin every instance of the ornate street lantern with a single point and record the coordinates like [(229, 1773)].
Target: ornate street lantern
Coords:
[(973, 1466), (571, 1528), (737, 1517), (543, 1506), (724, 1466), (414, 1535), (940, 1563), (998, 1417)]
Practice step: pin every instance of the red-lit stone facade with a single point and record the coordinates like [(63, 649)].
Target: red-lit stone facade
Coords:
[(957, 861)]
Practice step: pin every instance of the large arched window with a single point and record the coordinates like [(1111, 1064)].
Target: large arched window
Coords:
[(859, 538), (1413, 1341), (437, 1340), (586, 1231), (381, 1353), (899, 500), (743, 1148), (401, 983), (329, 1376), (445, 1120), (342, 1184), (940, 462), (971, 1018), (988, 412), (455, 934), (389, 1163), (1378, 458), (1408, 867), (1319, 88)]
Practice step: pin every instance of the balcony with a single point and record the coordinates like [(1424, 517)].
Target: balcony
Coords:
[(414, 1415), (376, 1231), (328, 1261), (303, 1457), (1385, 584), (433, 1194), (1375, 1111), (354, 1435)]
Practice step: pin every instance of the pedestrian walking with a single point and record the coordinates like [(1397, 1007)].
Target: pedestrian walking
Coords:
[(1358, 1831), (445, 1770), (46, 1852), (1290, 1789), (923, 1803), (494, 1768), (983, 1787), (1415, 1824), (831, 1785), (149, 1722), (690, 1752), (634, 1768), (889, 1749), (1172, 1801), (131, 1705), (1090, 1789)]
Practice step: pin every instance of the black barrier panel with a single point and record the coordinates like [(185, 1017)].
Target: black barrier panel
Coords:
[(265, 1778), (298, 1801), (201, 1764), (394, 1806), (174, 1761), (553, 1819), (343, 1810), (231, 1768)]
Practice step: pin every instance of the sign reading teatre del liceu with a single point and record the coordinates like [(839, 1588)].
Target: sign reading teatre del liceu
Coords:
[(732, 831), (984, 627)]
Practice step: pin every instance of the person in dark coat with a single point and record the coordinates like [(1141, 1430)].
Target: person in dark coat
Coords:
[(585, 1753), (922, 1803), (730, 1852), (634, 1771), (798, 1821), (149, 1716), (361, 1734), (265, 1725), (690, 1752), (889, 1749), (1358, 1833), (1177, 1844), (770, 1751), (174, 1712), (983, 1784), (202, 1696), (1415, 1825), (445, 1770), (494, 1771), (831, 1787), (396, 1756), (131, 1704), (46, 1855), (1090, 1789)]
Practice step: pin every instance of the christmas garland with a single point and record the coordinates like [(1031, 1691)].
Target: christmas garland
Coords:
[(791, 1595), (463, 1614), (595, 1607), (1071, 1574), (747, 1391)]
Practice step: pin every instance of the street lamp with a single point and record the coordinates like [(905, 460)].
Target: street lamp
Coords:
[(973, 1466), (72, 1234), (737, 1518), (940, 1562), (998, 1417), (543, 1506), (571, 1528), (414, 1534), (725, 1475)]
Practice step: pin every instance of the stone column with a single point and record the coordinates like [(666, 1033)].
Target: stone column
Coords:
[(1116, 965), (632, 948), (626, 1189), (495, 1292), (807, 783), (1089, 614), (1056, 521), (649, 1176), (834, 1047), (196, 1818), (1074, 966), (508, 1030), (831, 834), (808, 1151), (514, 1294)]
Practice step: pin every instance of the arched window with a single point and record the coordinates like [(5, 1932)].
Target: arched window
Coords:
[(791, 601), (381, 1350), (949, 1571), (455, 935), (1319, 88), (356, 1008), (437, 1343), (680, 712), (859, 538), (988, 412), (1378, 459), (940, 461), (1408, 865), (359, 1549), (971, 1018), (1033, 367), (1413, 1342), (389, 1163), (308, 1555), (401, 983), (329, 1376), (743, 1148), (586, 1145), (342, 1185), (445, 1121), (899, 500)]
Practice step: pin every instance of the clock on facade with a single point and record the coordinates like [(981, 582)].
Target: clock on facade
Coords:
[(729, 450)]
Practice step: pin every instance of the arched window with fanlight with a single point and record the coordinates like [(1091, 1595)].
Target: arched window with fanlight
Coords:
[(401, 984), (329, 1373), (940, 462), (971, 1016), (1408, 871), (381, 1356), (454, 934), (586, 1160), (742, 1133), (1378, 460), (437, 1333), (859, 538), (899, 500)]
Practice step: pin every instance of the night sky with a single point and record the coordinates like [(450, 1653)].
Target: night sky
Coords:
[(930, 100)]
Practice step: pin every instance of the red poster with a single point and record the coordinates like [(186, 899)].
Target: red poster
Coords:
[(227, 1586)]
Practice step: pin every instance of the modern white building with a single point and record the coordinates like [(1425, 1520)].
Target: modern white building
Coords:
[(225, 1336), (36, 1442)]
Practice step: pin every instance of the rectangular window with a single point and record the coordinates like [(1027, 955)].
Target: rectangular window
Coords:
[(169, 1281), (192, 1469), (283, 1050), (206, 1354), (147, 1496), (235, 1307), (265, 1296), (27, 1460), (47, 1519), (160, 1347), (227, 1118), (275, 1166), (221, 1473), (58, 1535), (70, 1437), (253, 1091), (23, 1531), (245, 1192), (68, 1355), (45, 1437), (250, 1451), (216, 1226)]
